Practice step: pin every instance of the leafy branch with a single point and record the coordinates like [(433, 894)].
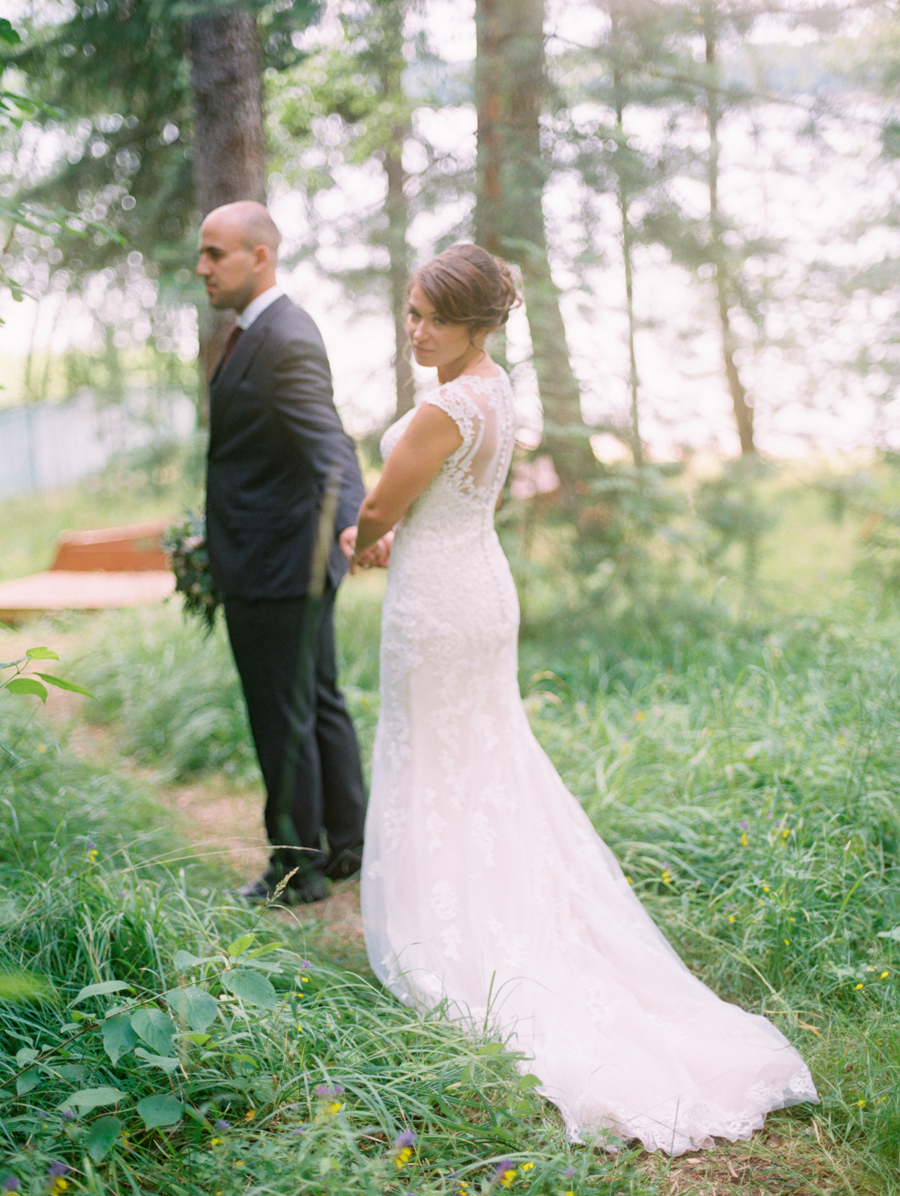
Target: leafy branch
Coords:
[(19, 684)]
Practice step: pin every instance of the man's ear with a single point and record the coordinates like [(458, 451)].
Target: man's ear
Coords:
[(262, 257)]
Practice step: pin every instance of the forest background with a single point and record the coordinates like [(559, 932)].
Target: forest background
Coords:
[(703, 522)]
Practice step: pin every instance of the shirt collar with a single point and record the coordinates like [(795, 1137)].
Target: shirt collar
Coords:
[(258, 305)]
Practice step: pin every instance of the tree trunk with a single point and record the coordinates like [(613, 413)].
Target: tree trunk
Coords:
[(229, 137), (740, 401), (622, 196), (397, 212), (509, 218), (393, 16)]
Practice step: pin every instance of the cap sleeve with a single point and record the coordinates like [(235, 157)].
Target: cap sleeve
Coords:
[(457, 402)]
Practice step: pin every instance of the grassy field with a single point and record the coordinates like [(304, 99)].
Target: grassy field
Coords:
[(735, 740)]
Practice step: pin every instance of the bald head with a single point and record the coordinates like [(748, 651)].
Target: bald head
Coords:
[(238, 251)]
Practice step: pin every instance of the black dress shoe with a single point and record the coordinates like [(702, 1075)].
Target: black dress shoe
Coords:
[(270, 888), (346, 863)]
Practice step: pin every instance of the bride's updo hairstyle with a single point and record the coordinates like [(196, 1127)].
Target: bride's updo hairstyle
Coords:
[(466, 285)]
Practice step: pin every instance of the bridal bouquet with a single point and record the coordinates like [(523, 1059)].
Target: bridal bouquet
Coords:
[(186, 544)]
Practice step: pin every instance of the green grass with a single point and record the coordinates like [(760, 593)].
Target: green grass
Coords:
[(735, 740)]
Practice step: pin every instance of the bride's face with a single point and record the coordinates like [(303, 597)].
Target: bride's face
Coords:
[(436, 342)]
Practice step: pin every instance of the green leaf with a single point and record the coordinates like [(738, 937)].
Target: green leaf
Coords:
[(198, 1039), (167, 1062), (185, 960), (73, 1071), (118, 1037), (156, 1111), (251, 987), (155, 1028), (27, 685), (61, 684), (248, 955), (93, 1098), (100, 990), (240, 945), (41, 654), (7, 33), (26, 1055), (103, 1134), (27, 1080), (193, 1006)]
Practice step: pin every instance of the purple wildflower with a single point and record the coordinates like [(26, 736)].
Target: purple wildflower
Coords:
[(221, 1124), (57, 1170), (407, 1138), (502, 1168), (10, 1184), (745, 826), (328, 1091)]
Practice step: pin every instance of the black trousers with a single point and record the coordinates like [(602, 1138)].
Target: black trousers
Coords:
[(294, 706)]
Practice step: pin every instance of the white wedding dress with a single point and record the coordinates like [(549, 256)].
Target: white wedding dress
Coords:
[(484, 883)]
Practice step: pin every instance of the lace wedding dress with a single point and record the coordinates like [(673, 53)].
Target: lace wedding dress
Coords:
[(484, 884)]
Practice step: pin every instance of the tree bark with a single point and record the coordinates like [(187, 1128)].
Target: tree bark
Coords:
[(740, 400), (622, 196), (510, 86), (392, 20), (229, 136)]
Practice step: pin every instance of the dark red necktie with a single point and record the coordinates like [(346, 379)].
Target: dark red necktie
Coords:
[(231, 342)]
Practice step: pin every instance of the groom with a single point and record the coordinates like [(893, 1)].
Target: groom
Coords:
[(276, 445)]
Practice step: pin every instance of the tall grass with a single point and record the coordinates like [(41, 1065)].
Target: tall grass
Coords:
[(156, 1042), (742, 758)]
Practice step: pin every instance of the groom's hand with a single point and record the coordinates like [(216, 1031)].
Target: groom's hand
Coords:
[(347, 542)]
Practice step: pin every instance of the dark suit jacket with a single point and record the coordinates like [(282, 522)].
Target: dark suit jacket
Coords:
[(275, 439)]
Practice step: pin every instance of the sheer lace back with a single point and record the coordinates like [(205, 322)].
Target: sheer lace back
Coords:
[(470, 479)]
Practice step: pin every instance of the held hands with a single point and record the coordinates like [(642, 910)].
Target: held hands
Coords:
[(377, 555)]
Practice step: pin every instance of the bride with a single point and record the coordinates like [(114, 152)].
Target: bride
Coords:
[(484, 884)]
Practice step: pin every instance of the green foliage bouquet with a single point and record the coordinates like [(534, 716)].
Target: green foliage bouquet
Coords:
[(186, 544)]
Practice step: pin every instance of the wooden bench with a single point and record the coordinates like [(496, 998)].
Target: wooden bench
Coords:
[(94, 570), (130, 549)]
